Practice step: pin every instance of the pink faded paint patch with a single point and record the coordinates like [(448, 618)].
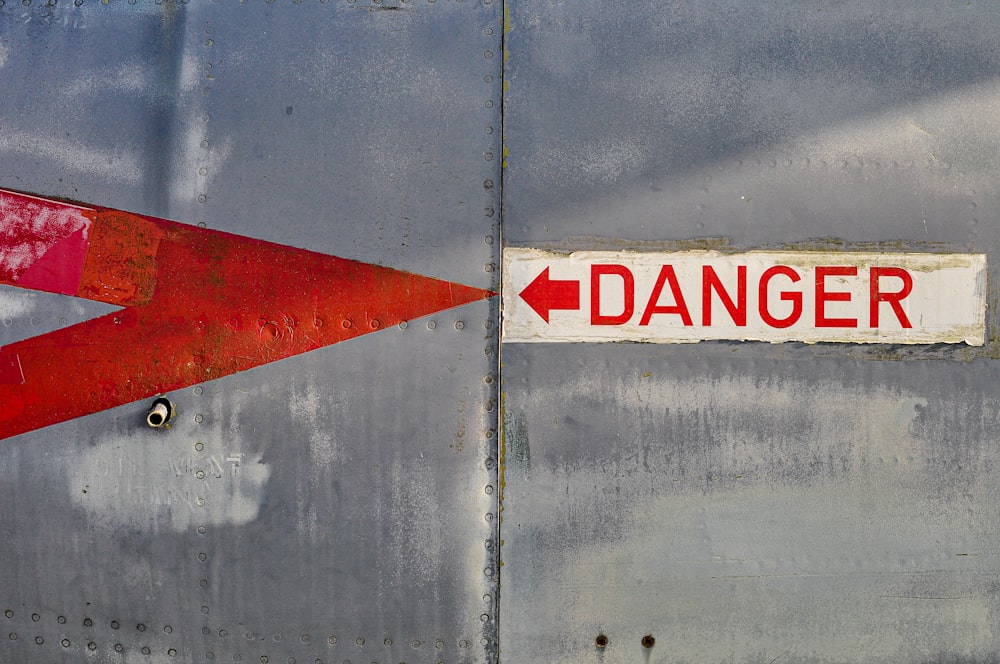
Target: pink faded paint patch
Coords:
[(30, 230), (58, 270)]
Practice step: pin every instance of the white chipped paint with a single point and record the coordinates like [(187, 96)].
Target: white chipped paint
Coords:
[(128, 77), (150, 483), (29, 227), (307, 405), (4, 53), (199, 158), (805, 301), (15, 303), (124, 482), (76, 157)]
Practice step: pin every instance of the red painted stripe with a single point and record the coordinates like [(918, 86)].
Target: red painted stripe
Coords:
[(10, 370), (200, 304)]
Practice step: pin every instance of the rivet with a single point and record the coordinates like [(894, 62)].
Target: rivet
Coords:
[(439, 645), (304, 638), (332, 640), (199, 418), (61, 620), (277, 637), (223, 633), (203, 583), (403, 324), (35, 617), (144, 650), (93, 646), (9, 613), (202, 530), (65, 643), (463, 644), (459, 325), (648, 641), (199, 446), (375, 324), (488, 571), (168, 629), (210, 655), (387, 642), (360, 641), (114, 624), (431, 325), (199, 390), (206, 631), (170, 653), (346, 323), (200, 474), (87, 622), (140, 627), (39, 640), (119, 647), (601, 641), (489, 490), (204, 609)]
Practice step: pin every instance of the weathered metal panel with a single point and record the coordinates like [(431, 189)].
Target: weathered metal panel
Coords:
[(751, 502), (338, 505)]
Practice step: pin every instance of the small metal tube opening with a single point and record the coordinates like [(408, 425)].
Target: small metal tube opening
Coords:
[(160, 413)]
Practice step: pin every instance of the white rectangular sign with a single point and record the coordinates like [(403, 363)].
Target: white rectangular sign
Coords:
[(689, 296)]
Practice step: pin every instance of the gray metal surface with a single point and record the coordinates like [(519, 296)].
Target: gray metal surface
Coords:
[(337, 506), (749, 502)]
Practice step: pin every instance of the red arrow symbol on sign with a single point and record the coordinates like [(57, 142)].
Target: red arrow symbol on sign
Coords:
[(545, 295), (196, 304)]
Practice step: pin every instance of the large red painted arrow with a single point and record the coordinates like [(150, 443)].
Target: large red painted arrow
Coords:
[(545, 295), (197, 304)]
